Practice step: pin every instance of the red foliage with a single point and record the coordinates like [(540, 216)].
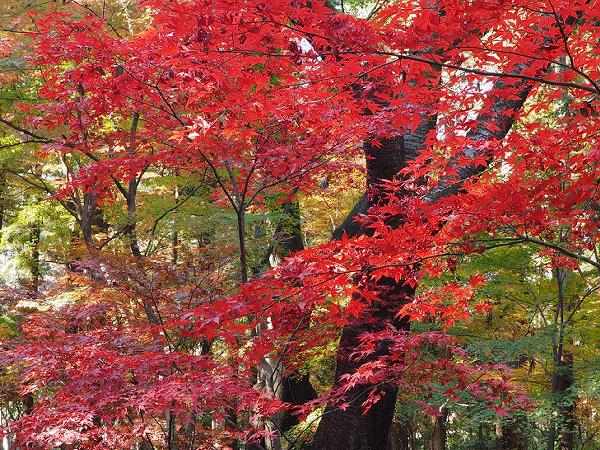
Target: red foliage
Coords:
[(277, 94)]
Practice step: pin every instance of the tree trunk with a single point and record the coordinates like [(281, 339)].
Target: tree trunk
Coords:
[(296, 388), (437, 431), (293, 388), (508, 434), (89, 215), (350, 428), (34, 266), (401, 436), (567, 406), (175, 234), (562, 428), (2, 197)]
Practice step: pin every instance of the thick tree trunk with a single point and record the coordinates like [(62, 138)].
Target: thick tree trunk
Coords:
[(88, 215), (437, 431), (296, 389), (350, 428)]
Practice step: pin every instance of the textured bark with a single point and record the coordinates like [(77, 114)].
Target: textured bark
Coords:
[(562, 382), (502, 115), (412, 144), (351, 428), (509, 436), (401, 436), (437, 431), (566, 436), (88, 215)]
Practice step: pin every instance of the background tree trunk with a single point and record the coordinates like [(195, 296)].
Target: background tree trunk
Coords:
[(437, 431), (401, 436), (34, 263), (562, 429), (509, 435)]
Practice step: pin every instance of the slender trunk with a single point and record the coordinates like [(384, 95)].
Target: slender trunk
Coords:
[(231, 420), (562, 425), (175, 235), (174, 247), (34, 267), (131, 226), (171, 432), (2, 197), (241, 226), (567, 408), (551, 439), (296, 388), (131, 197), (293, 388)]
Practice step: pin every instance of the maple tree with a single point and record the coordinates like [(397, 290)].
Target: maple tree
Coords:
[(477, 125)]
